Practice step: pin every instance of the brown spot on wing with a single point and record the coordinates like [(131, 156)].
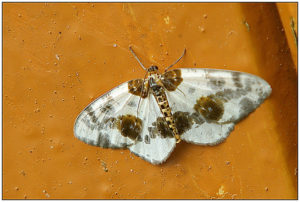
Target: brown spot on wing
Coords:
[(183, 121), (160, 128), (135, 88), (210, 107), (130, 126), (163, 128), (171, 79)]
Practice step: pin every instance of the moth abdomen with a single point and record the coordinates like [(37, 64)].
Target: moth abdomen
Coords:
[(162, 101)]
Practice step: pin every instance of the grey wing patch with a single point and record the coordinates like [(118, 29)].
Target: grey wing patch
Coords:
[(191, 90), (246, 107), (90, 113), (132, 104), (198, 119), (236, 79), (147, 139), (108, 108), (217, 82)]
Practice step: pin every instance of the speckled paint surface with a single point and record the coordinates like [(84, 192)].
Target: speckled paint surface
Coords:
[(58, 57)]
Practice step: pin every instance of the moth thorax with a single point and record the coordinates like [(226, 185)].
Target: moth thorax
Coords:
[(154, 80), (152, 69)]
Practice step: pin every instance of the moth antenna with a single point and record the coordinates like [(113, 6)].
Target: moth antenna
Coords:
[(176, 60), (137, 58)]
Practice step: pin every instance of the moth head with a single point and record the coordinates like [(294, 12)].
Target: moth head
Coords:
[(152, 69)]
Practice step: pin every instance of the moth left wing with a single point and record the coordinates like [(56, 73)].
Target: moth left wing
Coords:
[(99, 124), (111, 121), (206, 103)]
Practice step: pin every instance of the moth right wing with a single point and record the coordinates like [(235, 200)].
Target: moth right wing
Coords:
[(207, 103)]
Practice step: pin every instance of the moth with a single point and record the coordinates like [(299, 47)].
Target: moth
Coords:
[(149, 116)]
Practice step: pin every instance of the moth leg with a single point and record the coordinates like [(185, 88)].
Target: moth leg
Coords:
[(178, 89), (142, 91), (137, 110)]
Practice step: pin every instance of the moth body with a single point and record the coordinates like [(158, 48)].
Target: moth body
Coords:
[(158, 90)]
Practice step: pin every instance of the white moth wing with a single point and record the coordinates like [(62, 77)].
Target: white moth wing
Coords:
[(153, 147), (237, 93), (96, 125)]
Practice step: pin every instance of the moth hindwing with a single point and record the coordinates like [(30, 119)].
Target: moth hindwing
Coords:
[(148, 116)]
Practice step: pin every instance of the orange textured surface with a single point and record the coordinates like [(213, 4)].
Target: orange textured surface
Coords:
[(288, 16), (58, 57)]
